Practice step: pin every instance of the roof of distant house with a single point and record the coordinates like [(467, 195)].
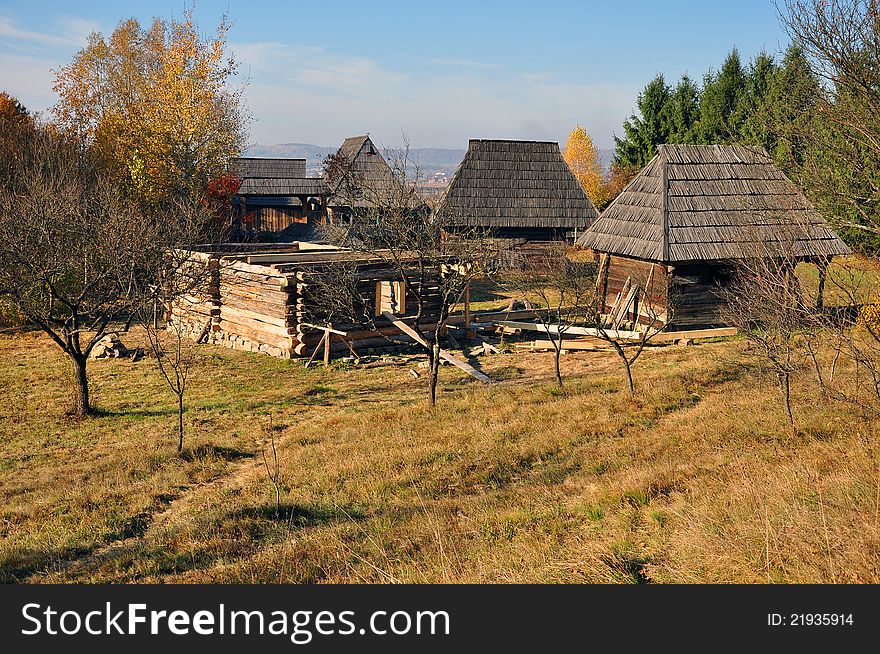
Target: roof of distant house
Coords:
[(503, 183)]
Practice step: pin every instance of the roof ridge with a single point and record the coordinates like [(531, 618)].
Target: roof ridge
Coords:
[(664, 204)]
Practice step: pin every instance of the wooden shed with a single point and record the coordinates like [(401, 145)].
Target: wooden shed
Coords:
[(259, 299), (523, 191), (685, 220), (277, 199)]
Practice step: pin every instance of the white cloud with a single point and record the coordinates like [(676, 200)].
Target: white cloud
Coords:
[(68, 31), (322, 97)]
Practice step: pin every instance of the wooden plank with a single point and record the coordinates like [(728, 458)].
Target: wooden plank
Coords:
[(692, 334), (586, 346), (574, 331), (409, 331), (659, 337)]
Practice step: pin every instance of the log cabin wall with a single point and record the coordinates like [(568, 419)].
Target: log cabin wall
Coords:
[(369, 287), (616, 270), (696, 294), (264, 308)]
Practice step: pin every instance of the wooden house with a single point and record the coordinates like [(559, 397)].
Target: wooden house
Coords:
[(523, 191), (277, 200), (258, 298), (681, 225), (359, 178)]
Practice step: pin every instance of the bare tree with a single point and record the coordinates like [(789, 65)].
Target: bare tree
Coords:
[(650, 318), (75, 255), (852, 329), (561, 291), (764, 301), (390, 224)]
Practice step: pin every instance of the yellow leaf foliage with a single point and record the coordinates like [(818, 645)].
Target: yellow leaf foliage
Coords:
[(583, 159), (156, 104)]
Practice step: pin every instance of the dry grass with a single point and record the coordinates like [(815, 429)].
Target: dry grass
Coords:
[(697, 480)]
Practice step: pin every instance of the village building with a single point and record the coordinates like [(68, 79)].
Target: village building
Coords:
[(359, 179), (277, 201), (680, 226), (520, 191)]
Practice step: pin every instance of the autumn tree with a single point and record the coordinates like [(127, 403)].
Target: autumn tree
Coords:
[(12, 112), (156, 105), (582, 157)]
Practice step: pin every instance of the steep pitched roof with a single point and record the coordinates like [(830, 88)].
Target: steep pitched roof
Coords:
[(363, 177), (502, 183), (711, 202), (267, 168)]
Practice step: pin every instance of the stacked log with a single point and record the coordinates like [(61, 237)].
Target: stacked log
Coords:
[(256, 311), (193, 295)]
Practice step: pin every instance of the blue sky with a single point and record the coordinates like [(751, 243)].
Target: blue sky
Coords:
[(439, 72)]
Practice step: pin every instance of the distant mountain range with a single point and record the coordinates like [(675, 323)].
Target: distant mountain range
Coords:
[(431, 161)]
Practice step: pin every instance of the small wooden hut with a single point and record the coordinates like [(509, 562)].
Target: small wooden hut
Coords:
[(277, 198), (523, 191), (685, 220), (259, 299)]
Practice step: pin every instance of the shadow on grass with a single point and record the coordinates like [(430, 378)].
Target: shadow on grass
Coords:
[(297, 515), (207, 451), (23, 565)]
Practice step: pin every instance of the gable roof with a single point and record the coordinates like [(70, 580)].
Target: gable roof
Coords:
[(367, 177), (267, 168), (711, 202), (502, 183)]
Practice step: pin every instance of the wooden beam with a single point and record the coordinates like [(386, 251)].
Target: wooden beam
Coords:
[(409, 331), (620, 334), (323, 328)]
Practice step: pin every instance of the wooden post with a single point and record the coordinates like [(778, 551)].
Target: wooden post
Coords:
[(822, 266), (469, 333), (317, 347), (327, 337)]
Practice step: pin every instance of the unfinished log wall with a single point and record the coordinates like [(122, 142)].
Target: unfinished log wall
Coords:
[(273, 308)]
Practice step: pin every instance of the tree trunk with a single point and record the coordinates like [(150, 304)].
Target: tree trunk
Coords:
[(629, 377), (785, 388), (558, 371), (81, 405), (434, 367), (180, 422)]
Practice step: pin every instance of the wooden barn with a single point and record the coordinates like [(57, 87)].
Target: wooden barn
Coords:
[(259, 299), (681, 225), (523, 191), (277, 200), (358, 176)]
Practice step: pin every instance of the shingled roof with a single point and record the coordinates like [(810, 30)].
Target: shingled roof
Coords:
[(516, 184), (711, 203), (267, 168), (367, 177), (288, 186)]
